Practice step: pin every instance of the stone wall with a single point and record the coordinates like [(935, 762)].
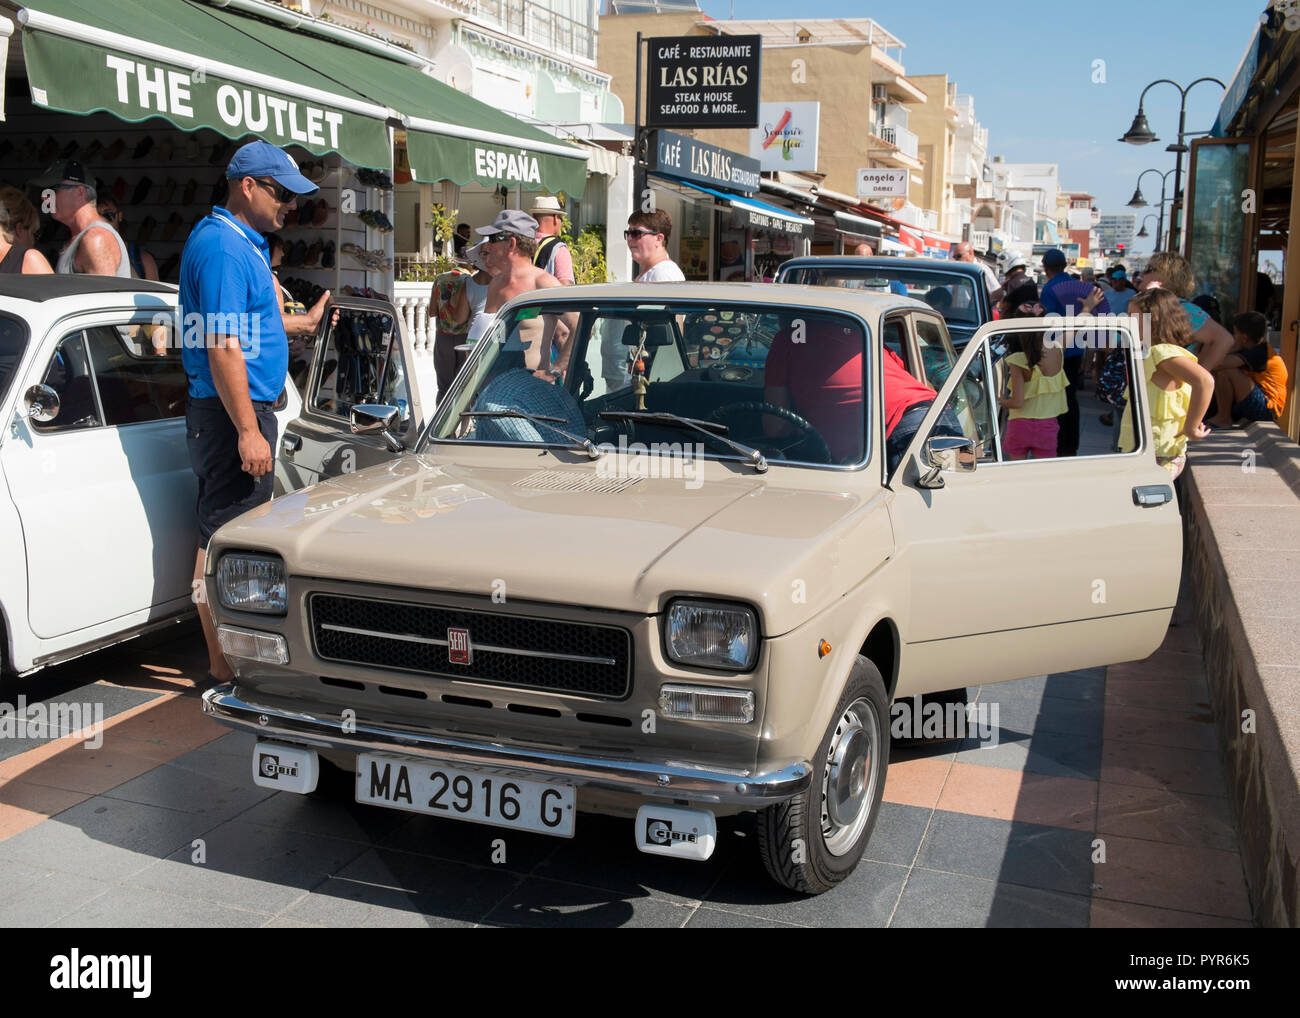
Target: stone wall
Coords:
[(1240, 501)]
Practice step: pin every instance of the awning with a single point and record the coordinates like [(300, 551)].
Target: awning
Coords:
[(857, 226), (197, 66), (750, 213)]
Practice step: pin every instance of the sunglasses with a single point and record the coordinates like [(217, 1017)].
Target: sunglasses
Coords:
[(278, 191), (629, 234), (497, 238)]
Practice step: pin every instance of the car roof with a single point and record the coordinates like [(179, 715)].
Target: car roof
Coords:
[(860, 302), (972, 269), (46, 286)]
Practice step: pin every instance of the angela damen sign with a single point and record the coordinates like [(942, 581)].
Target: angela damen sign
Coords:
[(786, 139), (703, 81), (874, 182), (676, 155)]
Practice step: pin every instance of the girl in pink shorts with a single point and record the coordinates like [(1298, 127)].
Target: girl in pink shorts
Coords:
[(1037, 397)]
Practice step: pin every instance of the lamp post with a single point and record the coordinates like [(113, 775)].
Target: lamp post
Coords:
[(1139, 202), (1141, 134), (1143, 232)]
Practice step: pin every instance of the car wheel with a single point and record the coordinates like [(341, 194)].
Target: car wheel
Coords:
[(813, 841), (335, 783)]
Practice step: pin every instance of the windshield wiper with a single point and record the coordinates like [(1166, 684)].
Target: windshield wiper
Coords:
[(591, 448), (711, 429)]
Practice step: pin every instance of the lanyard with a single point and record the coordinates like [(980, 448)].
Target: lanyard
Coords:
[(248, 240)]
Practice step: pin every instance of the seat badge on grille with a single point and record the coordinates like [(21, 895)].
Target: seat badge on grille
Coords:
[(459, 650)]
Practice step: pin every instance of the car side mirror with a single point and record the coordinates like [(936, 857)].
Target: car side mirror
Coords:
[(377, 419), (41, 403), (947, 452)]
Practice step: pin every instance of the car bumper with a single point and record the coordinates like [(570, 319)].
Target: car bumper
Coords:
[(654, 779)]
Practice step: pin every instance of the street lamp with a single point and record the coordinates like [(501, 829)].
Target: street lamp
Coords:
[(1139, 202), (1141, 134), (1143, 232)]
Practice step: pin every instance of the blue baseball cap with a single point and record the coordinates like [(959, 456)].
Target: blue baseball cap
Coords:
[(262, 159), (1054, 259)]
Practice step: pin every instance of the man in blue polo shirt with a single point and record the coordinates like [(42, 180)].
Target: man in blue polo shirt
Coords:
[(237, 371)]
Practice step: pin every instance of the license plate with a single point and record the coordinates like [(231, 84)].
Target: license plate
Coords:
[(456, 794)]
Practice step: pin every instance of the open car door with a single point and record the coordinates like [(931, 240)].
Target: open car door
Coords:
[(1025, 567), (362, 354)]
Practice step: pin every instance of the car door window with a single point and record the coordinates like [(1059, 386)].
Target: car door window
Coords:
[(894, 332), (69, 375), (138, 376), (937, 355), (355, 366), (979, 401)]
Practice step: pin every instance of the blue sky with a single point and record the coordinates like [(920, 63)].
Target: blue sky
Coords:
[(1030, 68)]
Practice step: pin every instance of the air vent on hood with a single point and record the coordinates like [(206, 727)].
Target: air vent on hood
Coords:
[(575, 480)]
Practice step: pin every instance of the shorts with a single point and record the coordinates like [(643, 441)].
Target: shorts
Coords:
[(1174, 464), (900, 438), (1027, 435), (225, 490), (1253, 408)]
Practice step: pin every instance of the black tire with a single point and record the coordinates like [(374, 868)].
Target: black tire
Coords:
[(803, 844), (335, 783)]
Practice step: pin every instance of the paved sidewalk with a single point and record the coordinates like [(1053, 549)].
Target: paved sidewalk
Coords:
[(162, 826)]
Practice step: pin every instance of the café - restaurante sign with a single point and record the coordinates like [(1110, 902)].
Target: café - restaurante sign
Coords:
[(703, 81)]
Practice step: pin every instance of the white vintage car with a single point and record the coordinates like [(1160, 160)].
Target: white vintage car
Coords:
[(97, 517)]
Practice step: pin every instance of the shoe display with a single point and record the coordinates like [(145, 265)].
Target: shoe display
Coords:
[(299, 252), (321, 213), (168, 191), (165, 149), (192, 149), (327, 256), (168, 270), (143, 148), (6, 146), (69, 150), (119, 190), (187, 197), (312, 258), (305, 209), (218, 193), (375, 178), (219, 152), (114, 150), (92, 150), (291, 217), (145, 233), (172, 225), (141, 190), (49, 150)]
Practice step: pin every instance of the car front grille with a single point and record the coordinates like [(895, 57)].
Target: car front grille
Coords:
[(564, 657)]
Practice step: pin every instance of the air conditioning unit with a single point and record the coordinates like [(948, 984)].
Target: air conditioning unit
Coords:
[(879, 93)]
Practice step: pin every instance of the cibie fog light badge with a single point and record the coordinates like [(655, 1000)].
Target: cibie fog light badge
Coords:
[(672, 830), (285, 768)]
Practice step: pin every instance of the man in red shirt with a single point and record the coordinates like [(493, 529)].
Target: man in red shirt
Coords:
[(820, 378)]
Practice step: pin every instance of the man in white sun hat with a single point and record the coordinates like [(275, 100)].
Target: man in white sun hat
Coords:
[(552, 253)]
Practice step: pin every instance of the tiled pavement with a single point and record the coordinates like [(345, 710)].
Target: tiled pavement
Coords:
[(1102, 804)]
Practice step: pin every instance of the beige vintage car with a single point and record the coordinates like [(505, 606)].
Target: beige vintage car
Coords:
[(649, 559)]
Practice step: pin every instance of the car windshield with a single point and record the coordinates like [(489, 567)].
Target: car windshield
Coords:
[(13, 341), (950, 293), (783, 381)]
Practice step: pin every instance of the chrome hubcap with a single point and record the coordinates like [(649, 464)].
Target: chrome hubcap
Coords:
[(849, 783)]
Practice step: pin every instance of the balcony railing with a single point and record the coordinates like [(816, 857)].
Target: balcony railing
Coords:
[(901, 137), (542, 27)]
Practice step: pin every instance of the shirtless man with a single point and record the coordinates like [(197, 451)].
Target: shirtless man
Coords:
[(508, 255), (95, 246)]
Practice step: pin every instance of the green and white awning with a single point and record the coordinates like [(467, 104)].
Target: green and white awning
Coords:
[(199, 66)]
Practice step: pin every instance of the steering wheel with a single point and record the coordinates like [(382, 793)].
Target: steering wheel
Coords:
[(819, 450)]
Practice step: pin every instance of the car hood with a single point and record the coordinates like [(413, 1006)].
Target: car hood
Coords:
[(568, 535)]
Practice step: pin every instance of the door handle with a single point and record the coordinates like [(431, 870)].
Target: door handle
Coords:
[(290, 444), (1146, 496)]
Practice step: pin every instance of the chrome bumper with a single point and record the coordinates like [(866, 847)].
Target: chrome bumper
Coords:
[(660, 780)]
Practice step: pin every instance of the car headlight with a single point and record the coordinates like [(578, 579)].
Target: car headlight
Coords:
[(252, 583), (710, 635)]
